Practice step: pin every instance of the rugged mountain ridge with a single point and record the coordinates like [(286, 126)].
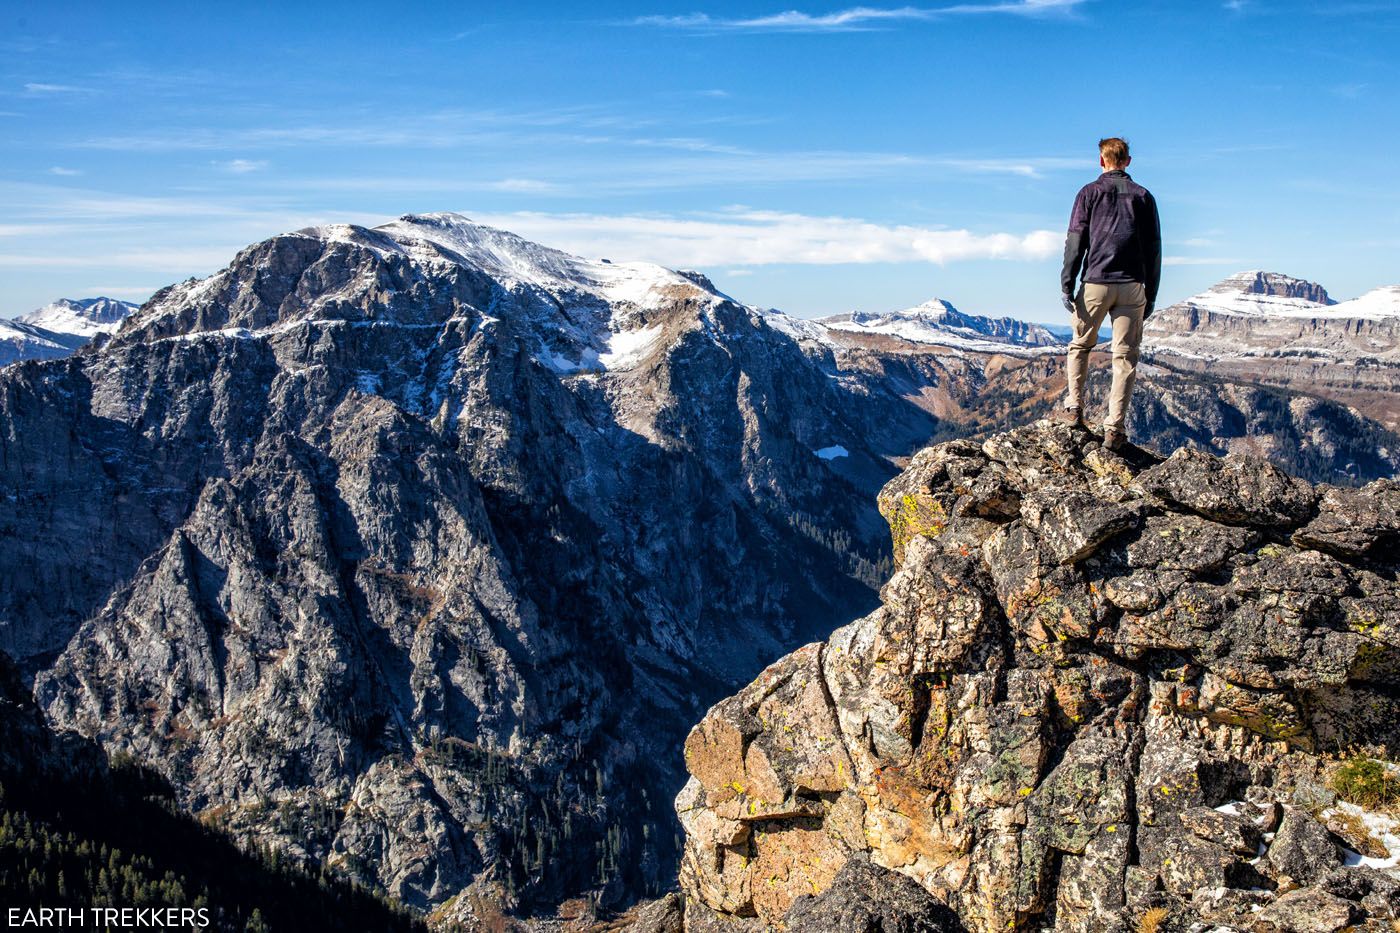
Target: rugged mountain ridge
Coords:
[(83, 317), (413, 551), (1097, 685), (20, 341), (937, 322), (58, 329), (1265, 328)]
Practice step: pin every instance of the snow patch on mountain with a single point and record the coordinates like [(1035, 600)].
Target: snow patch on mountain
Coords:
[(1266, 316), (83, 317), (1377, 304), (514, 261), (938, 322), (57, 329), (1270, 294), (20, 341)]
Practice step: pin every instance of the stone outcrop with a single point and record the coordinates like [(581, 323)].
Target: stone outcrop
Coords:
[(1098, 684)]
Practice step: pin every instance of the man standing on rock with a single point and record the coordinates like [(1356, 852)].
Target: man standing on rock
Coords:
[(1115, 238)]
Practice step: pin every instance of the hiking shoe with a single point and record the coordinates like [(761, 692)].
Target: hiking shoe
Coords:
[(1070, 416), (1113, 439)]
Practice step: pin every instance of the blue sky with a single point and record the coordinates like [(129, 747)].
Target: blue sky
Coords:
[(817, 158)]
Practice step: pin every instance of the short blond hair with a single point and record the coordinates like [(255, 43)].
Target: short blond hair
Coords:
[(1114, 151)]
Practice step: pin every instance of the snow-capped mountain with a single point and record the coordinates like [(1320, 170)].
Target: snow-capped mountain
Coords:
[(1264, 314), (585, 315), (20, 341), (1258, 291), (57, 329), (937, 322), (83, 317), (469, 525), (1267, 328)]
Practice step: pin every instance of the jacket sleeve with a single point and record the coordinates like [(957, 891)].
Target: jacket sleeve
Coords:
[(1150, 230), (1076, 242)]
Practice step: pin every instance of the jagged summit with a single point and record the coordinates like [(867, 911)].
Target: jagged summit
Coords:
[(439, 551), (452, 238), (1097, 684), (937, 321), (85, 317), (1275, 284), (1274, 295), (56, 330), (584, 315)]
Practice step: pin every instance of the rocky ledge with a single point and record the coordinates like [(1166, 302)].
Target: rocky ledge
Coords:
[(1103, 692)]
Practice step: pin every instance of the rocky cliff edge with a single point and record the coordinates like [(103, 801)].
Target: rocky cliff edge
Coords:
[(1102, 692)]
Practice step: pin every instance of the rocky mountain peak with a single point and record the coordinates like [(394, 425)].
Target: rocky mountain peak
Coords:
[(935, 309), (1097, 684), (937, 321), (1258, 282), (83, 316)]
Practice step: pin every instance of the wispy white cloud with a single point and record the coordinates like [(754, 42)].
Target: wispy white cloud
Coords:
[(1026, 168), (1350, 91), (852, 19), (34, 229), (743, 238), (431, 130), (240, 166), (158, 259), (1200, 261), (139, 292), (39, 87), (524, 186), (680, 164), (65, 172)]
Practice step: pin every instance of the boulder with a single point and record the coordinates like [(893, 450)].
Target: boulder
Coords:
[(864, 898), (1302, 851), (1306, 910)]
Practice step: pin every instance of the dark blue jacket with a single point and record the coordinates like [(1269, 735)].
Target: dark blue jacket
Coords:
[(1114, 235)]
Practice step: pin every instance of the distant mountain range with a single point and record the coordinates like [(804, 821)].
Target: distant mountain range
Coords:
[(938, 322), (1265, 328), (413, 552), (58, 329)]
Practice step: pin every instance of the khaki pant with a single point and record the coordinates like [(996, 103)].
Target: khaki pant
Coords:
[(1125, 303)]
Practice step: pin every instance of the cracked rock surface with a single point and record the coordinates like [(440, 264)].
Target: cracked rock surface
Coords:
[(1097, 685)]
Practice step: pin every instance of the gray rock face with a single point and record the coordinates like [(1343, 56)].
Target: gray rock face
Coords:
[(1059, 717), (415, 551), (1303, 851), (865, 898), (1306, 911), (1272, 283)]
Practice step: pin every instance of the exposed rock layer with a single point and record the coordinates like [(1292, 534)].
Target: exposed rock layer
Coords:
[(1094, 683)]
